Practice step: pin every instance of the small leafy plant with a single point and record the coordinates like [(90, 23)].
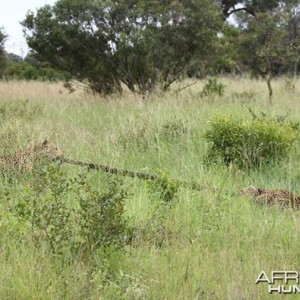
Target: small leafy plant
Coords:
[(69, 214), (213, 88), (164, 187), (249, 143), (101, 216)]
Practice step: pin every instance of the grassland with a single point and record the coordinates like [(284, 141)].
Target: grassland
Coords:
[(210, 244)]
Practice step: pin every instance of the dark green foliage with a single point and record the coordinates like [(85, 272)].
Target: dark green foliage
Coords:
[(45, 206), (249, 143), (26, 71), (102, 222), (251, 7), (165, 188), (269, 43), (213, 88), (30, 68), (2, 52), (142, 44), (225, 60), (70, 214)]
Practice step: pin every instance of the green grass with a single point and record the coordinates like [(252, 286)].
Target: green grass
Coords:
[(209, 244)]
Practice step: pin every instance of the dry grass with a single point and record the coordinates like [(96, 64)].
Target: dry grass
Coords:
[(213, 243)]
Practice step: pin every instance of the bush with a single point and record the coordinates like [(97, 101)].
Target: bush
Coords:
[(164, 187), (213, 88), (69, 214), (101, 216), (249, 143)]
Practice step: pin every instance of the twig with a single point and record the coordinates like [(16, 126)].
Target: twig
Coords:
[(185, 87)]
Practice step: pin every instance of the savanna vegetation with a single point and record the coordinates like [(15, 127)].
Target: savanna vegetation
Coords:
[(71, 233), (168, 88)]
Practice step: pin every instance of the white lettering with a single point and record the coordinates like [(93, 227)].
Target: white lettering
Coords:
[(274, 289), (260, 279), (291, 275), (287, 290), (281, 289), (277, 275), (296, 289)]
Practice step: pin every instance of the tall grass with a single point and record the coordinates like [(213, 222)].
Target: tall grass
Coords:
[(209, 244)]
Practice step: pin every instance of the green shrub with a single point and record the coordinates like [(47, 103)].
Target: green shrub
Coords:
[(164, 187), (213, 88), (69, 214), (249, 143), (101, 216)]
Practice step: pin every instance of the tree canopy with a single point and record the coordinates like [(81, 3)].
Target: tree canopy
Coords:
[(251, 7), (141, 44), (2, 52)]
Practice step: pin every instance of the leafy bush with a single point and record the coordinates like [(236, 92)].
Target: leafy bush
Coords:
[(164, 187), (102, 222), (71, 215), (249, 143), (213, 88)]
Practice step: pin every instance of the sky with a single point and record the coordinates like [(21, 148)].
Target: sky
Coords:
[(11, 13)]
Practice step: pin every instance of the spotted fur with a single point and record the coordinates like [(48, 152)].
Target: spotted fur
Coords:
[(24, 160), (265, 196)]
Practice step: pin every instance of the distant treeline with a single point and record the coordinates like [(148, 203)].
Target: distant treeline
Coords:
[(29, 68)]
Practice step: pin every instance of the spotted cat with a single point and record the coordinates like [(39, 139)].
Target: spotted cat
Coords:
[(24, 160), (282, 197)]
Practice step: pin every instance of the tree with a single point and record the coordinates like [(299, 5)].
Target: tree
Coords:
[(2, 52), (251, 7), (13, 58), (142, 44), (29, 68), (273, 49), (293, 27)]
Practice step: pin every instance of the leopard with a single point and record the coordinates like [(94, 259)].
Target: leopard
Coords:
[(25, 159), (282, 197)]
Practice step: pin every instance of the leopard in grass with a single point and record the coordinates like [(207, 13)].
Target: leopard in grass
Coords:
[(25, 159), (265, 196)]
